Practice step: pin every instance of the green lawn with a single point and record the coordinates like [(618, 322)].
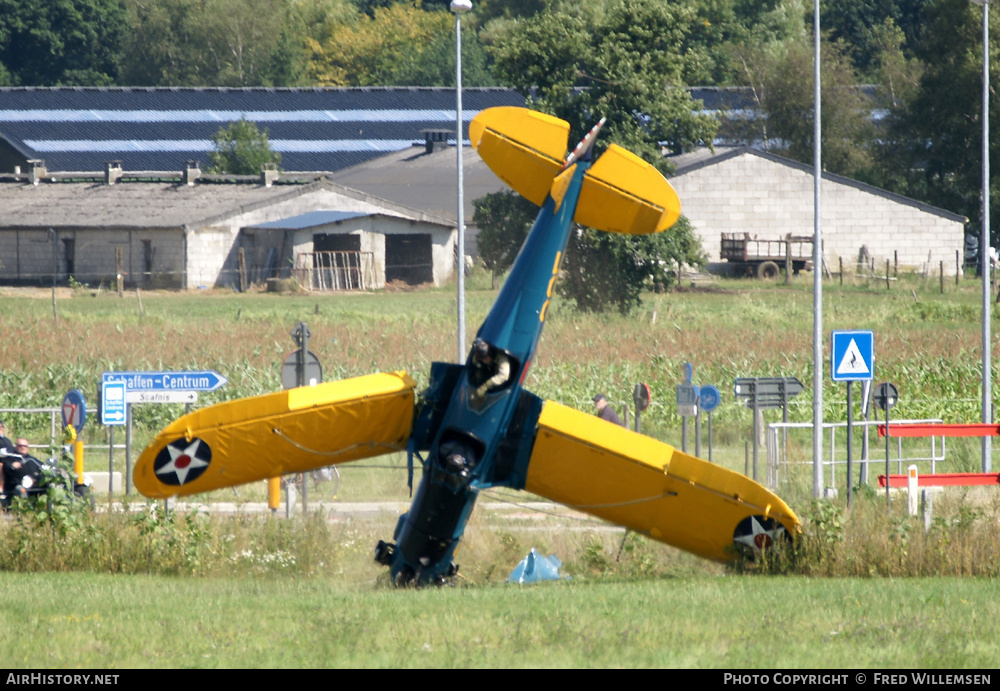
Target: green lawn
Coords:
[(738, 622)]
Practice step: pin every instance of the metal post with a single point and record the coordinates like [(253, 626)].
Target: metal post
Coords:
[(984, 242), (850, 439), (887, 459), (458, 7), (817, 269)]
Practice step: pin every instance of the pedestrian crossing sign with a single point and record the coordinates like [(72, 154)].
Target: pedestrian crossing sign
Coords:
[(853, 356)]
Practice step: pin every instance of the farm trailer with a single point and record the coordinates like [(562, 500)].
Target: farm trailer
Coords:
[(764, 258)]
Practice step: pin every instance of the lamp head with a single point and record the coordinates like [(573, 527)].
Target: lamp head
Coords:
[(460, 6)]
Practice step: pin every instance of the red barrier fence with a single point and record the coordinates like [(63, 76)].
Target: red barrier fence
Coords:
[(978, 429), (944, 480)]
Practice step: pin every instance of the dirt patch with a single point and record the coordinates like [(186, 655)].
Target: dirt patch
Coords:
[(32, 292)]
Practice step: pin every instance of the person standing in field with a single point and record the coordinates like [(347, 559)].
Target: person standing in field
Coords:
[(605, 412)]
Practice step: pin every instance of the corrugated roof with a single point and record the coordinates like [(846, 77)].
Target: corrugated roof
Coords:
[(421, 180), (163, 204), (159, 129)]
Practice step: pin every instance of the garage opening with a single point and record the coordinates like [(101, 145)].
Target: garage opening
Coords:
[(408, 258), (336, 264)]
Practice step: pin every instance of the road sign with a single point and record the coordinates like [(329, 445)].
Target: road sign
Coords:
[(886, 396), (113, 403), (204, 380), (687, 400), (709, 398), (770, 392), (161, 396), (641, 396), (74, 412), (853, 355), (312, 373)]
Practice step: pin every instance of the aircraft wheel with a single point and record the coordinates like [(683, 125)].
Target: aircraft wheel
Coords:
[(767, 271)]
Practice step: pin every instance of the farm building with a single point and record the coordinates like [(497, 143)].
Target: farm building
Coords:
[(211, 231), (743, 190)]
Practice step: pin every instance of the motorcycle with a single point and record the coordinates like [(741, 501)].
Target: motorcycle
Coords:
[(27, 478)]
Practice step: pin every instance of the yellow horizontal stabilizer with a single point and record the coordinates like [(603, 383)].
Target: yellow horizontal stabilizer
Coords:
[(291, 431), (523, 147), (624, 194), (646, 485)]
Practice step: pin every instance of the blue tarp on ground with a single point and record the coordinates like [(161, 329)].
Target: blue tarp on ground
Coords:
[(534, 568)]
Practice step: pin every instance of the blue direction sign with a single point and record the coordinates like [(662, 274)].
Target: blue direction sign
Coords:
[(853, 356), (205, 380), (112, 403), (687, 394)]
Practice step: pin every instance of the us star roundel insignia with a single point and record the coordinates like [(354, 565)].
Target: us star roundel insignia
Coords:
[(182, 461), (754, 534)]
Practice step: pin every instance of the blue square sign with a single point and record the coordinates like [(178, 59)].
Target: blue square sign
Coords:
[(853, 356)]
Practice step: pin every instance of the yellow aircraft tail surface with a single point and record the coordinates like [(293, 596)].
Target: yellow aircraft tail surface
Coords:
[(621, 192), (290, 431), (650, 487)]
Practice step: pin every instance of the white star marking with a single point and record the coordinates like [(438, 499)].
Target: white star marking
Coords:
[(758, 538), (182, 461)]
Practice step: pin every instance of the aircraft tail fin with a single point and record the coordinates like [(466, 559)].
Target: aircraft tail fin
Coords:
[(624, 194), (621, 193), (523, 147)]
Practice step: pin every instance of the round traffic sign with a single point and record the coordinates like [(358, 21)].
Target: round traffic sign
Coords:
[(886, 396), (642, 396), (709, 398), (312, 373), (74, 412)]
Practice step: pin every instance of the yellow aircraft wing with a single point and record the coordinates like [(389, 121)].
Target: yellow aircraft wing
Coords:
[(650, 487), (290, 431)]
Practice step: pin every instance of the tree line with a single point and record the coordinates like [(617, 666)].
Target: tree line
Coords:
[(914, 130)]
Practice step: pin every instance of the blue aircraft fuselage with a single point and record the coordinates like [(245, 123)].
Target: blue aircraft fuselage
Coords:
[(493, 433)]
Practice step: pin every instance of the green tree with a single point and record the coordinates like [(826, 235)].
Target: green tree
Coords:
[(780, 77), (504, 219), (617, 58), (862, 26), (216, 42), (620, 59), (241, 149), (398, 45), (933, 144), (601, 271), (61, 42)]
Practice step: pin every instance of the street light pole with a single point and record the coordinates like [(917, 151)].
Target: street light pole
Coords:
[(459, 7), (817, 268), (984, 240)]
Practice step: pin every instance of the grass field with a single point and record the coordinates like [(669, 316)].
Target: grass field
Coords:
[(869, 589), (94, 621)]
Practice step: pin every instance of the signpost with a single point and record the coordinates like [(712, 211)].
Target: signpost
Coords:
[(74, 415), (761, 393), (687, 402), (121, 389), (852, 359), (886, 397), (709, 399)]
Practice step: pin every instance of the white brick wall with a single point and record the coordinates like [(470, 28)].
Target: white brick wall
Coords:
[(753, 194)]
